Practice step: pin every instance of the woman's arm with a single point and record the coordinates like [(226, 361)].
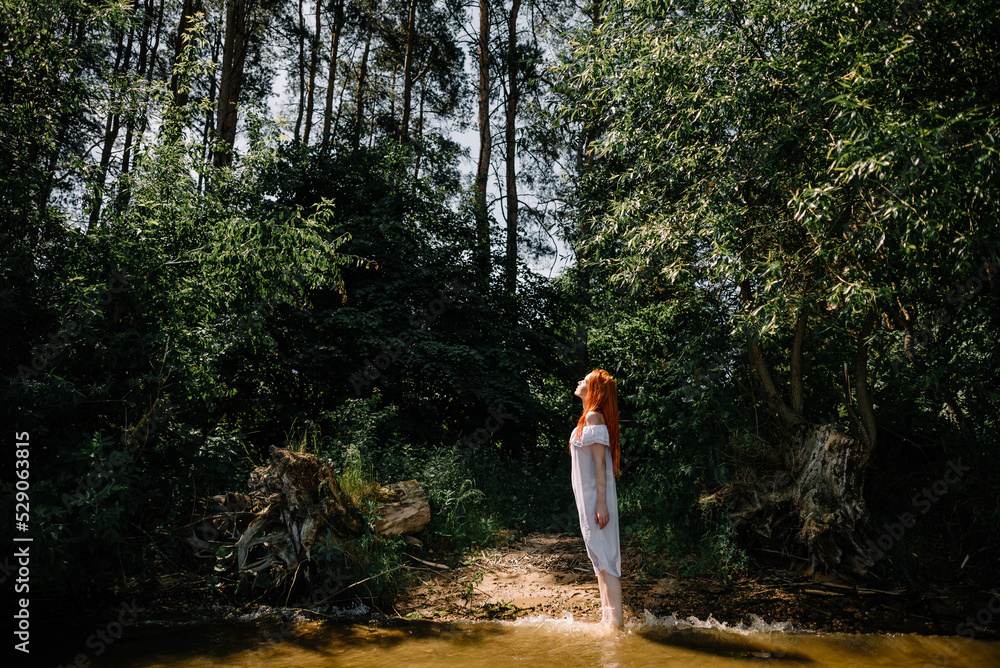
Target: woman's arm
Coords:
[(601, 515)]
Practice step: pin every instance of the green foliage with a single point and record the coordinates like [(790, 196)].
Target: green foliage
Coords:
[(737, 166), (149, 303), (83, 512), (755, 163), (796, 168), (458, 506)]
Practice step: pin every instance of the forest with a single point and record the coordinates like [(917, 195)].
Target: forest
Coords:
[(394, 234)]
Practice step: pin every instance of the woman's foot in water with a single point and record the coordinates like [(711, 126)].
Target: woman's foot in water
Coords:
[(611, 617)]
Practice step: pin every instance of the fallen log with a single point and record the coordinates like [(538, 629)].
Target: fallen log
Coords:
[(408, 513)]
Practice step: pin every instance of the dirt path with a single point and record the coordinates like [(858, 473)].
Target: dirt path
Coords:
[(541, 574), (550, 575)]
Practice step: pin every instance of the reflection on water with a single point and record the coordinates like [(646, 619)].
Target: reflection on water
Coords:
[(530, 642)]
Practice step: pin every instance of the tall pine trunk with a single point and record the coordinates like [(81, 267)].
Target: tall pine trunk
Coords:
[(338, 23), (420, 134), (313, 66), (302, 73), (511, 139), (231, 80), (123, 57), (147, 24), (188, 10), (147, 66), (411, 29), (49, 155), (213, 91), (485, 146), (359, 108)]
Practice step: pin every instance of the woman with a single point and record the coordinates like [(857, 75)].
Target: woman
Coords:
[(594, 449)]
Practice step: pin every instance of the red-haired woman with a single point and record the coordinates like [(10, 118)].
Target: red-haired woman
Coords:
[(594, 449)]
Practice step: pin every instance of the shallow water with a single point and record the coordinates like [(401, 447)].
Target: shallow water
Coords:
[(529, 642)]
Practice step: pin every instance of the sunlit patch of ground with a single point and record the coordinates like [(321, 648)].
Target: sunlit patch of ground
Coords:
[(549, 575)]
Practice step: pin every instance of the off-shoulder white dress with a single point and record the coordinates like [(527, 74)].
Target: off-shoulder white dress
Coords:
[(602, 544)]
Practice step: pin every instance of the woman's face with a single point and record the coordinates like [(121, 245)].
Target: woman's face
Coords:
[(581, 388)]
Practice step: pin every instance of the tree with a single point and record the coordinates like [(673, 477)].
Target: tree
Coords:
[(816, 167), (313, 67), (411, 25), (337, 27), (485, 145), (234, 54), (510, 136)]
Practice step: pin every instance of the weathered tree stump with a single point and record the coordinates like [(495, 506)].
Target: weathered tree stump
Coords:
[(294, 504), (814, 501)]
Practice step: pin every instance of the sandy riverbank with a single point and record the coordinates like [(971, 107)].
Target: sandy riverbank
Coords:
[(550, 575)]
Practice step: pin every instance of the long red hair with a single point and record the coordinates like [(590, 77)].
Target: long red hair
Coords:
[(602, 396)]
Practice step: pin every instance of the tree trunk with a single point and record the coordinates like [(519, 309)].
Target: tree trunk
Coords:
[(405, 510), (338, 23), (313, 66), (511, 139), (420, 135), (785, 414), (828, 495), (866, 411), (796, 368), (585, 151), (111, 128), (485, 146), (411, 20), (231, 80), (147, 24), (814, 498), (50, 154), (359, 108), (295, 503), (302, 73), (124, 194), (206, 135), (392, 93), (907, 320), (189, 9)]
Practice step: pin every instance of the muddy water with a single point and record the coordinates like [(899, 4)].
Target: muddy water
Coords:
[(530, 642)]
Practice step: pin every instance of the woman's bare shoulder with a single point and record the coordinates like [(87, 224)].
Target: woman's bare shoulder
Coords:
[(594, 417)]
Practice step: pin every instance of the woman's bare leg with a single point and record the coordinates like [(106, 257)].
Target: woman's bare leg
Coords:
[(603, 588), (611, 598)]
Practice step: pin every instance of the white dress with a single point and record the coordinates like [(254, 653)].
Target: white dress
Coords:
[(602, 544)]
